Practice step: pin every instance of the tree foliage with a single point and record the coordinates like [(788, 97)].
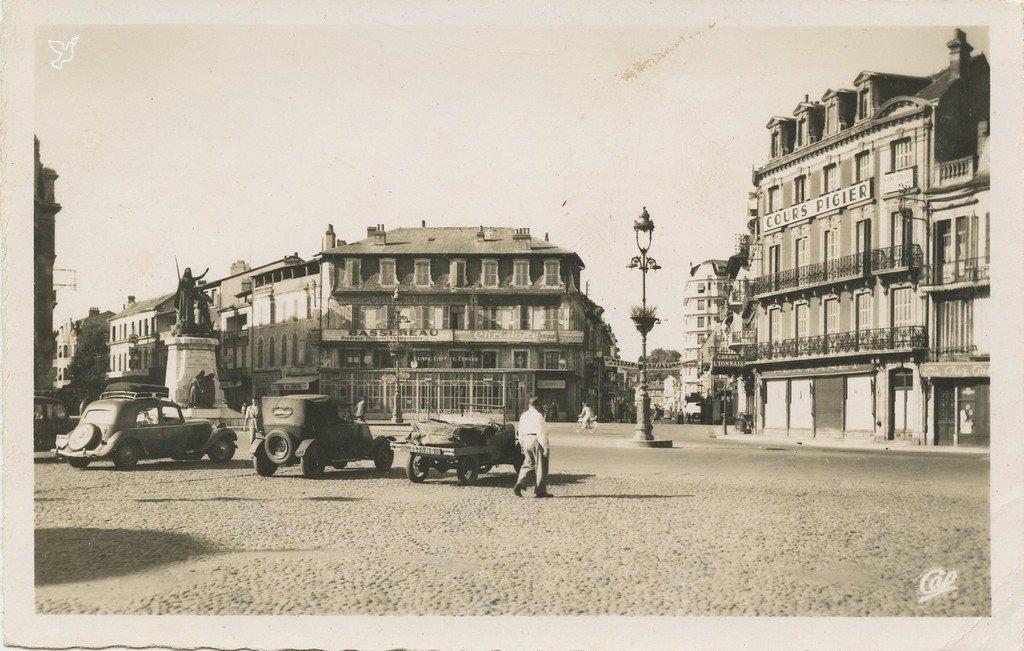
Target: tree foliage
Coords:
[(87, 370), (662, 356)]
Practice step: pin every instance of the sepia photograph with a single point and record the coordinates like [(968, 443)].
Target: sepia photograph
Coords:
[(472, 317)]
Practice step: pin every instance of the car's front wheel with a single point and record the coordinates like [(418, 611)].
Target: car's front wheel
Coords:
[(384, 457), (222, 450), (126, 456), (262, 464), (313, 462), (468, 470), (78, 462), (416, 468)]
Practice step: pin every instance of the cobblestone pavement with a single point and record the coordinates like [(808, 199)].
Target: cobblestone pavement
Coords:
[(696, 530)]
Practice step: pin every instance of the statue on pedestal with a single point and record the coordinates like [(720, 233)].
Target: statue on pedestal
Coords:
[(192, 307)]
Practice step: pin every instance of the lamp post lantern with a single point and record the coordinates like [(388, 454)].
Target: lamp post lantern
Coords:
[(644, 319), (397, 320)]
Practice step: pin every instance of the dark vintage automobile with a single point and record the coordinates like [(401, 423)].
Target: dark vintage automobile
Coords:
[(314, 431), (49, 419), (472, 442), (134, 423)]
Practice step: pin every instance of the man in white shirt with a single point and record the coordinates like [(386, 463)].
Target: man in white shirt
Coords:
[(534, 440)]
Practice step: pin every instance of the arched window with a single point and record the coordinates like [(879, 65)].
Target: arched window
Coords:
[(297, 355), (273, 352), (259, 353), (284, 350)]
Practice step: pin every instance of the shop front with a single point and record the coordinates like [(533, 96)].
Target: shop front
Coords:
[(960, 396), (833, 401)]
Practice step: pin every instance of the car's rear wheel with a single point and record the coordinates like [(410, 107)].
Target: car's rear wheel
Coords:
[(262, 464), (222, 450), (384, 457), (313, 462), (78, 462), (126, 456), (416, 468), (280, 447), (468, 470)]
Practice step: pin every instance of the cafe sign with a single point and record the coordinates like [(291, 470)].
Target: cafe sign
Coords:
[(387, 335), (814, 207)]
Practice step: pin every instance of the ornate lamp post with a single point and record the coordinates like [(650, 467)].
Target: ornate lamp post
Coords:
[(644, 319), (395, 348)]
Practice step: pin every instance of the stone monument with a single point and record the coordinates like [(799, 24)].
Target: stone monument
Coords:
[(192, 355)]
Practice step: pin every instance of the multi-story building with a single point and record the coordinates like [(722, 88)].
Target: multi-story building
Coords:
[(45, 299), (66, 342), (455, 316), (845, 222), (706, 291), (137, 333)]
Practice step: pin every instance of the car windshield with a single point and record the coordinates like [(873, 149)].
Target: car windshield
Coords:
[(99, 416)]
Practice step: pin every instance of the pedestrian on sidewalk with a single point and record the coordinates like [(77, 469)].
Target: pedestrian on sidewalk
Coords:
[(251, 412), (552, 412), (534, 440), (361, 409)]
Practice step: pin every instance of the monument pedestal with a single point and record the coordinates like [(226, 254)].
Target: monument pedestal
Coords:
[(186, 356)]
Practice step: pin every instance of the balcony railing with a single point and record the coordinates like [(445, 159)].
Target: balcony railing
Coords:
[(739, 292), (971, 270), (879, 339), (957, 170), (956, 354), (884, 260), (895, 258)]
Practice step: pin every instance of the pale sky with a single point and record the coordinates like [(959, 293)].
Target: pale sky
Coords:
[(220, 143)]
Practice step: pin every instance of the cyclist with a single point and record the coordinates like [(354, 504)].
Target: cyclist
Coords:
[(586, 418)]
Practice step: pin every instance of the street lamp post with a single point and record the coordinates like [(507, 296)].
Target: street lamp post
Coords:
[(396, 350), (644, 319)]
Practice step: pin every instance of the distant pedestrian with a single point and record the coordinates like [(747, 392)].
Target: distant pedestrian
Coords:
[(250, 412), (534, 440), (552, 412), (361, 409)]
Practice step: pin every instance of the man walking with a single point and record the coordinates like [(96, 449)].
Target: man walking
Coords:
[(534, 440), (361, 410)]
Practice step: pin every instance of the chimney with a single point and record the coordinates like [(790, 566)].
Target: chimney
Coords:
[(480, 234), (131, 299), (376, 235), (94, 311), (423, 223), (330, 241), (521, 240), (546, 237), (959, 55), (238, 266)]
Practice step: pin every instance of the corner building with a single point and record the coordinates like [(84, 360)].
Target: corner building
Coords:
[(846, 242), (482, 315)]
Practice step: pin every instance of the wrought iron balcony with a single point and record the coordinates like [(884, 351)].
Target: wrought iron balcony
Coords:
[(876, 340), (896, 258), (971, 270), (877, 261), (846, 267)]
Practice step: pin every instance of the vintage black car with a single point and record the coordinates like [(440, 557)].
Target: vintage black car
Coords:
[(49, 419), (314, 431), (128, 425), (472, 442)]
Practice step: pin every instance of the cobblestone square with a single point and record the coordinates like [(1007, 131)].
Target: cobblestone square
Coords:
[(710, 527)]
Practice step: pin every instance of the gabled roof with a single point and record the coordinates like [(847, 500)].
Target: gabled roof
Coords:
[(778, 119), (806, 106), (868, 74), (448, 240), (832, 92), (718, 266), (160, 304)]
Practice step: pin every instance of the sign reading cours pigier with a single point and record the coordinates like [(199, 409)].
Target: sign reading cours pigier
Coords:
[(813, 207)]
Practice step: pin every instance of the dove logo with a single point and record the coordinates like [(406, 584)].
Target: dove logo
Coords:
[(65, 52)]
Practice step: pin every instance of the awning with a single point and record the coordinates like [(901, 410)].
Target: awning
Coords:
[(840, 369), (295, 382), (955, 369)]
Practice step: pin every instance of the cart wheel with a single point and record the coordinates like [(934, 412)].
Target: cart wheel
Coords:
[(468, 470), (485, 469), (416, 469), (384, 457)]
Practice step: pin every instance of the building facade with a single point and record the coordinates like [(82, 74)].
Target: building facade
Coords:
[(443, 317), (45, 209), (705, 293), (137, 334), (845, 234), (66, 342)]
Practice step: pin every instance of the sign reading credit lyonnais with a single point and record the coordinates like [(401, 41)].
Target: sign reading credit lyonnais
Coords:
[(826, 202)]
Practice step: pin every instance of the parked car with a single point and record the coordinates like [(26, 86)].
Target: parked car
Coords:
[(127, 425), (314, 431), (49, 419)]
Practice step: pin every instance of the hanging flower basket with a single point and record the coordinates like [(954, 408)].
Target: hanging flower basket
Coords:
[(644, 318)]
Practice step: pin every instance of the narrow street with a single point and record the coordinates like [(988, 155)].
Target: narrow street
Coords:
[(710, 527)]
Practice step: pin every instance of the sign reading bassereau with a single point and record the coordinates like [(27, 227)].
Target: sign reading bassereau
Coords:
[(826, 202)]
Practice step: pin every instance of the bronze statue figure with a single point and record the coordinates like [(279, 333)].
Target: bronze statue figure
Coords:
[(192, 306)]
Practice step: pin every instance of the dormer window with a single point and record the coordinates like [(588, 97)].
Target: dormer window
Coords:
[(831, 118), (552, 273), (801, 132), (776, 152), (387, 272), (864, 103)]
